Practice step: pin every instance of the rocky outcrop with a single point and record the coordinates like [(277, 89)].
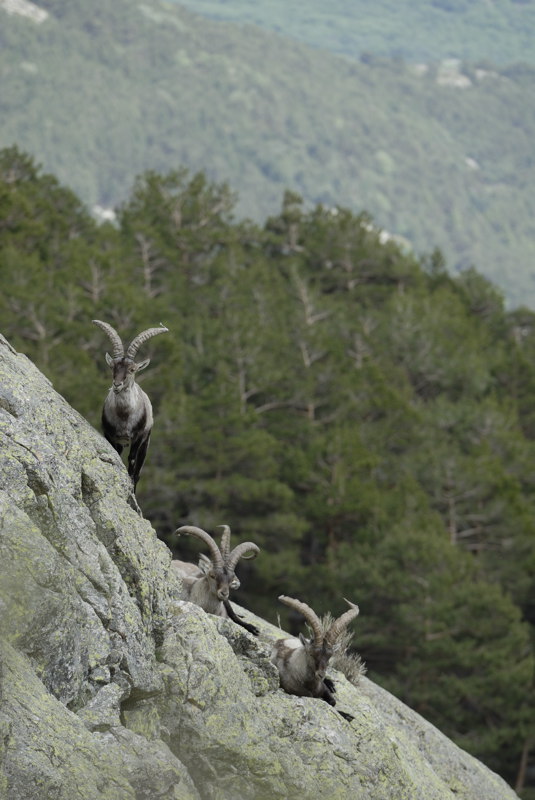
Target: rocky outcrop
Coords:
[(112, 688)]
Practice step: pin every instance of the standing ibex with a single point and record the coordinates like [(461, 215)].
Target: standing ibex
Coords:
[(209, 584), (302, 663), (127, 413)]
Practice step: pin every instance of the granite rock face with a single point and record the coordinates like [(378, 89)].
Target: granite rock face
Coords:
[(112, 688)]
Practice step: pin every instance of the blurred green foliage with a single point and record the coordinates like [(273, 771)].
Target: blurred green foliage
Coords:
[(362, 415)]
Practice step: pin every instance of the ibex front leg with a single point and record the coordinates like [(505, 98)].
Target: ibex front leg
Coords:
[(136, 457), (239, 620)]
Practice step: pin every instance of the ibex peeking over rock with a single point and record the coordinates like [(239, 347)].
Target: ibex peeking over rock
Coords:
[(209, 584), (127, 413), (302, 663)]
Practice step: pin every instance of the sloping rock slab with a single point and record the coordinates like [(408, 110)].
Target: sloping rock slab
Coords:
[(112, 688)]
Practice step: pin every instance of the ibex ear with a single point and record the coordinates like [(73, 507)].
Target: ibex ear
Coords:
[(205, 565), (303, 639), (235, 584), (109, 360), (142, 365)]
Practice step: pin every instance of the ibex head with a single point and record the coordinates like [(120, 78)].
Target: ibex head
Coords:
[(122, 364), (219, 568), (323, 644)]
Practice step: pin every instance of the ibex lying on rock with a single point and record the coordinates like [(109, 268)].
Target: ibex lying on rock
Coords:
[(127, 413), (209, 584), (302, 663)]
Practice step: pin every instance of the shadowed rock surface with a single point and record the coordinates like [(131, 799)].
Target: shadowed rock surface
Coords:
[(112, 688)]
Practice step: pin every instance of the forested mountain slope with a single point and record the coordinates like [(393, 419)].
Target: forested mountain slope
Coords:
[(440, 156), (363, 416), (500, 31)]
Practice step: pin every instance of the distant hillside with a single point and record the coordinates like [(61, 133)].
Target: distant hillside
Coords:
[(439, 155), (501, 31)]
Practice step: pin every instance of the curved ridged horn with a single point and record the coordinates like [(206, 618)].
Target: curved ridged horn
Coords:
[(342, 622), (225, 541), (142, 337), (217, 559), (239, 552), (309, 615), (118, 348)]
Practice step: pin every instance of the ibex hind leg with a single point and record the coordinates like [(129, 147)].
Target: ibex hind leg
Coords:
[(118, 447), (134, 503)]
